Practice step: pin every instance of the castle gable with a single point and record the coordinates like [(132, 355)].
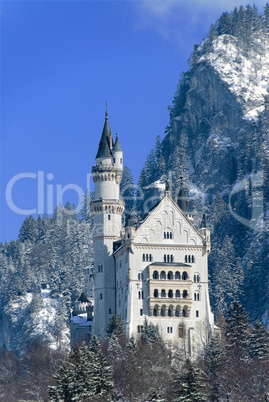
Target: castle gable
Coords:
[(166, 223)]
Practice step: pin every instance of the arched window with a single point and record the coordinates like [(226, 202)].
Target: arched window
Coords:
[(143, 257), (186, 258), (155, 275), (139, 295), (156, 293), (184, 276), (170, 275), (197, 313), (177, 313), (150, 257), (189, 258), (163, 275), (171, 258), (164, 258), (194, 278), (198, 278), (170, 293), (163, 293), (170, 311), (192, 259), (177, 275), (185, 311), (147, 257), (139, 277), (163, 311), (156, 311), (177, 293), (164, 235), (185, 294), (171, 235)]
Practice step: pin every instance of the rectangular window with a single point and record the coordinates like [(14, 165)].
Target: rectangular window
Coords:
[(197, 313), (108, 217), (141, 311), (110, 311)]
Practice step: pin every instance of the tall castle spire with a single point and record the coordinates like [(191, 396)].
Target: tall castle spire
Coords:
[(107, 209), (106, 142)]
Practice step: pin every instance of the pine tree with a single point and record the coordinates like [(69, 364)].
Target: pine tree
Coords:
[(127, 190), (259, 342), (85, 211), (115, 326), (188, 384), (227, 276), (28, 231), (215, 362), (150, 332), (41, 229), (84, 375), (237, 331)]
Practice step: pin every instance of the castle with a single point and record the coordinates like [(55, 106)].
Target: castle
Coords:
[(154, 269)]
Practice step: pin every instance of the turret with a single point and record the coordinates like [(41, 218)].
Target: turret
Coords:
[(205, 232), (107, 209), (129, 229), (183, 203), (117, 154)]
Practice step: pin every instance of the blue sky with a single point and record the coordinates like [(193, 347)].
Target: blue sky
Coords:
[(60, 62)]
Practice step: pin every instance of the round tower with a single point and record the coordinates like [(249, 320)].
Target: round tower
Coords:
[(107, 209)]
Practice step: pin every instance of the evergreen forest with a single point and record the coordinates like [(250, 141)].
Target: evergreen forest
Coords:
[(217, 144)]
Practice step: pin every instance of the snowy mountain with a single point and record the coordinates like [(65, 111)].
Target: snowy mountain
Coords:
[(217, 140)]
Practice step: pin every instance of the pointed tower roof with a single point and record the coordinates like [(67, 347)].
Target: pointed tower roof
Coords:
[(106, 141), (117, 146), (83, 298), (203, 224)]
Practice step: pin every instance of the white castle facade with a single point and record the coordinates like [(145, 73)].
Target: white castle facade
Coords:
[(156, 269)]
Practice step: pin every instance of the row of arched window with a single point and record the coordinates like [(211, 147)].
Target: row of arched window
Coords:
[(170, 311), (147, 257), (167, 235), (170, 275), (190, 259), (168, 258), (170, 293)]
